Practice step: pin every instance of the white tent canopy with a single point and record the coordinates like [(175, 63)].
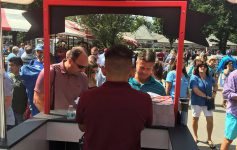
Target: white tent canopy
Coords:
[(213, 40), (142, 33), (24, 2), (13, 20)]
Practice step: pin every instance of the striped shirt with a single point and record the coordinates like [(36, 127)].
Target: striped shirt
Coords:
[(150, 86)]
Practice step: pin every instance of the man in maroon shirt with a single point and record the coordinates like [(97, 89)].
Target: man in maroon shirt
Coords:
[(113, 115)]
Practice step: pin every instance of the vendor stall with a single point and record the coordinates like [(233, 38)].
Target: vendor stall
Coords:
[(42, 131)]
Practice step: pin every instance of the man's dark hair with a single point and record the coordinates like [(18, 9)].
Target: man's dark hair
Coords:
[(158, 70), (147, 55), (119, 52), (75, 52), (16, 60)]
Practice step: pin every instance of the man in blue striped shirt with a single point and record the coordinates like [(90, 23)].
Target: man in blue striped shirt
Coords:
[(143, 80)]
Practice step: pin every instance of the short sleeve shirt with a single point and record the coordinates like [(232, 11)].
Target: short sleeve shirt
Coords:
[(114, 116), (171, 78), (8, 91), (204, 85), (67, 87), (150, 86)]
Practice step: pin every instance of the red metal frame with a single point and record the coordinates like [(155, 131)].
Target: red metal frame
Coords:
[(48, 3)]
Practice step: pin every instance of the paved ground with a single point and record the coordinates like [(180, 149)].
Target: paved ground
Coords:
[(219, 124)]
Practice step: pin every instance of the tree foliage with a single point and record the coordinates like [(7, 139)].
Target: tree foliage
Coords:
[(158, 25), (106, 27), (224, 23)]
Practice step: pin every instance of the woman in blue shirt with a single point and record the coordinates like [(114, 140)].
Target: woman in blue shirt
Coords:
[(184, 95), (202, 84), (171, 79)]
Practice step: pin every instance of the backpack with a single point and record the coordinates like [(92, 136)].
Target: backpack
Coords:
[(29, 75)]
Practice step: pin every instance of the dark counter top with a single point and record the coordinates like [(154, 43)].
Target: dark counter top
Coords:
[(19, 132), (179, 135)]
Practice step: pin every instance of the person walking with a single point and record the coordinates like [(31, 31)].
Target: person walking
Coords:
[(230, 93), (204, 90)]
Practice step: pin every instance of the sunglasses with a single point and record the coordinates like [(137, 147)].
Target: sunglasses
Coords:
[(80, 66)]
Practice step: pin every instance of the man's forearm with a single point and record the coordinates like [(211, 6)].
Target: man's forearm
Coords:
[(39, 101)]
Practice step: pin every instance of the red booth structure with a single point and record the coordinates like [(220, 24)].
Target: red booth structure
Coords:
[(55, 132), (182, 4)]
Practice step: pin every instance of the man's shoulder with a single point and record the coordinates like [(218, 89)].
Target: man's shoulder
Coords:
[(233, 74), (154, 82), (133, 82)]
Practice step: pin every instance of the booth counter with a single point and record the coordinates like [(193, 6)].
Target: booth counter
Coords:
[(42, 131)]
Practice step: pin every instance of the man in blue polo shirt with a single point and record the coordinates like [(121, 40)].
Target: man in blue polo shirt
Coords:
[(143, 80)]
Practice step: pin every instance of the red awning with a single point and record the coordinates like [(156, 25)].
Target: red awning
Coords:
[(75, 29), (13, 20)]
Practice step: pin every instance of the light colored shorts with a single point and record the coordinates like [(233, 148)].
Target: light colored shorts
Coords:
[(230, 127), (196, 111)]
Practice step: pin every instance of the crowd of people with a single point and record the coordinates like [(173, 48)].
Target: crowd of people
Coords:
[(107, 86)]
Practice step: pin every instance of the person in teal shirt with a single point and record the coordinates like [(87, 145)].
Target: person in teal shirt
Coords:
[(143, 80), (171, 81), (184, 95)]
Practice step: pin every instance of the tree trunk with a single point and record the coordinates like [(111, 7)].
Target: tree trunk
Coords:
[(14, 38), (223, 42)]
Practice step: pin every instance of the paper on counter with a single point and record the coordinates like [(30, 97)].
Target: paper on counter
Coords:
[(152, 95), (77, 100)]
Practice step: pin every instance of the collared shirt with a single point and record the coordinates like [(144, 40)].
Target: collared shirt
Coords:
[(150, 86), (230, 91), (203, 85), (103, 108), (67, 87), (8, 91)]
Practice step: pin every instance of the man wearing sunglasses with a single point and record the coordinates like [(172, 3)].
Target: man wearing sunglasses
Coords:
[(67, 80)]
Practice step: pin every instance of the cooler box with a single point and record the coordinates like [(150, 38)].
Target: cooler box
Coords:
[(163, 111)]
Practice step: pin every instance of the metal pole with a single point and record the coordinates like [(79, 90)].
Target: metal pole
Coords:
[(180, 55), (46, 20), (2, 97)]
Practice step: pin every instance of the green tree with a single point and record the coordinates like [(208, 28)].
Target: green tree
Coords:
[(158, 25), (225, 19), (106, 28)]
